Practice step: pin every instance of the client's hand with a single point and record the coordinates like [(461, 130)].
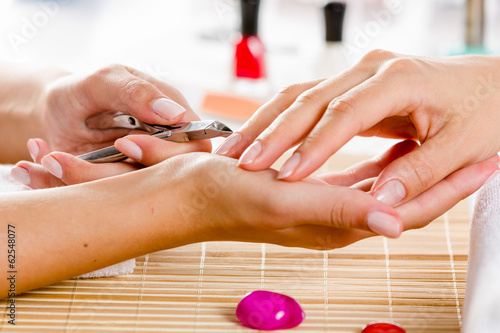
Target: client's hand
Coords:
[(450, 105), (219, 201), (209, 178)]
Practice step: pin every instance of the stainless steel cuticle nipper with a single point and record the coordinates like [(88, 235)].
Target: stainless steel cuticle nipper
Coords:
[(181, 132)]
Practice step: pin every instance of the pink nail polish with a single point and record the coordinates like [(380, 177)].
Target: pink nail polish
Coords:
[(167, 109), (129, 148), (251, 154), (290, 166), (21, 175), (384, 224), (228, 144), (52, 166), (33, 149), (492, 177), (391, 193)]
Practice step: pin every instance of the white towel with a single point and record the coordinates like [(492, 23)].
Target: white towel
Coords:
[(482, 297), (8, 184)]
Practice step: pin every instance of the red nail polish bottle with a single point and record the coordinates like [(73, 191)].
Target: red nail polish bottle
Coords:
[(249, 56)]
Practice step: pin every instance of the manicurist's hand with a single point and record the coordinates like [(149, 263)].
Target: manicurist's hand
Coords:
[(75, 116), (76, 110), (450, 105)]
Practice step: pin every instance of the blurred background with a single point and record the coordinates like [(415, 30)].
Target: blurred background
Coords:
[(191, 43)]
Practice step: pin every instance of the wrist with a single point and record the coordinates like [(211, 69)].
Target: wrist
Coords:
[(21, 97), (176, 211)]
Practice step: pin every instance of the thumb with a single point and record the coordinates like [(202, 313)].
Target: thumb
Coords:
[(116, 88), (417, 171), (337, 207)]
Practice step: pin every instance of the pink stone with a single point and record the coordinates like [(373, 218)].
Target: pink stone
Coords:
[(265, 310), (383, 327)]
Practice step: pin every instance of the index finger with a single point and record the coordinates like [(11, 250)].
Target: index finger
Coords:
[(347, 116)]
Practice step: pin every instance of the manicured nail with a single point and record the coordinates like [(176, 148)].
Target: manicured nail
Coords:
[(167, 109), (52, 166), (21, 175), (289, 167), (129, 148), (227, 145), (384, 224), (493, 158), (493, 176), (33, 149), (391, 193), (251, 153)]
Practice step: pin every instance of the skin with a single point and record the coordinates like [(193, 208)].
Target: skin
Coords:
[(448, 105), (191, 198), (56, 106), (185, 199)]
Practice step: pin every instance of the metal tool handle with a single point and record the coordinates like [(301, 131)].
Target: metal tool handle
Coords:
[(104, 155)]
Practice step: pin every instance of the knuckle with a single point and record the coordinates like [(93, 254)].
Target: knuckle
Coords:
[(400, 65), (376, 57), (339, 214), (344, 106), (136, 89), (310, 96), (292, 89), (421, 173), (106, 70)]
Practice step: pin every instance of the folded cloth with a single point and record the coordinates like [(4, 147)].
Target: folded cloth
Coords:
[(482, 296), (8, 184)]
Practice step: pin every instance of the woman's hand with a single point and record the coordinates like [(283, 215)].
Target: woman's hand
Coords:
[(75, 109), (216, 186), (228, 203), (450, 105), (200, 197)]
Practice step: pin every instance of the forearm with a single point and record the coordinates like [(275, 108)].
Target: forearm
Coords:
[(64, 232), (21, 90)]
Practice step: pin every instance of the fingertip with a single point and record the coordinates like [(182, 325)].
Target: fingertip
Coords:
[(129, 148), (52, 165), (33, 149), (168, 110), (250, 155), (21, 175), (385, 224), (290, 166), (229, 144)]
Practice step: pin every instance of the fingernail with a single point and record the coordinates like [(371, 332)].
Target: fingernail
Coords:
[(33, 149), (391, 193), (129, 148), (52, 166), (289, 167), (251, 153), (227, 145), (21, 175), (493, 176), (167, 109), (384, 224), (493, 158)]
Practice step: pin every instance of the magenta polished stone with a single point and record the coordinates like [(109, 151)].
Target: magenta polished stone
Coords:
[(383, 327), (265, 310)]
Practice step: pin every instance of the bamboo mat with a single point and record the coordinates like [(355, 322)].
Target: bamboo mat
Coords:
[(417, 280)]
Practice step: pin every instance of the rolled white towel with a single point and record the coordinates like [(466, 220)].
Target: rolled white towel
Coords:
[(482, 296), (8, 184)]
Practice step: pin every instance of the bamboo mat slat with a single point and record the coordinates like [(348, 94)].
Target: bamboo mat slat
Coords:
[(417, 280)]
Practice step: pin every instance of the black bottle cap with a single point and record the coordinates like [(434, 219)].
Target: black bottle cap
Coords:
[(249, 17), (334, 21)]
